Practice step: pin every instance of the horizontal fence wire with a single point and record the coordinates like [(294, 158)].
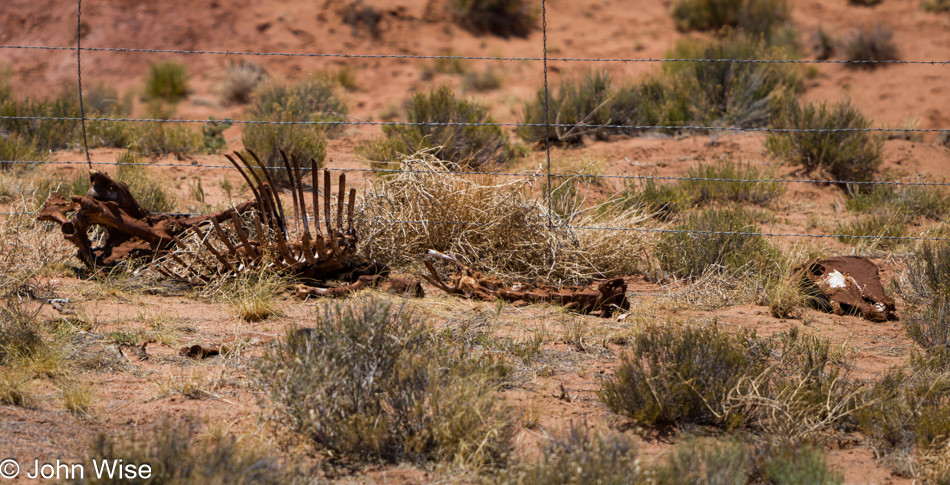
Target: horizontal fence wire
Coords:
[(504, 174), (474, 58), (538, 125)]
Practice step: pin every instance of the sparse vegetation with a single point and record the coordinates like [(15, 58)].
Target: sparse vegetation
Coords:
[(504, 18), (313, 100), (936, 6), (167, 80), (848, 156), (370, 382), (723, 243), (474, 146), (868, 43), (664, 200), (683, 92)]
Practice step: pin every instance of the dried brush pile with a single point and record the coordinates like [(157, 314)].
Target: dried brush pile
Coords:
[(499, 228)]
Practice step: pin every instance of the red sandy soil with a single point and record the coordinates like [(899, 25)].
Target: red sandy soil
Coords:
[(585, 29)]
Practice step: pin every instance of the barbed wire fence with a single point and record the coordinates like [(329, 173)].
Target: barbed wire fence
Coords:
[(547, 173)]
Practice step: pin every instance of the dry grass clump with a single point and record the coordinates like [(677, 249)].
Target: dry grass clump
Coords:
[(177, 453), (77, 398), (16, 388), (870, 44), (28, 248), (241, 78), (496, 228), (928, 274), (252, 295), (371, 383)]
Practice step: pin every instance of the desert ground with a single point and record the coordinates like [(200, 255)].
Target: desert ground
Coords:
[(120, 338)]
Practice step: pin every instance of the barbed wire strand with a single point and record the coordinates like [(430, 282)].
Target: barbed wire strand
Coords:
[(621, 128), (82, 110), (579, 175), (472, 58)]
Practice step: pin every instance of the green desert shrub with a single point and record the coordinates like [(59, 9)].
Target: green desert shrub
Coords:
[(717, 239), (870, 44), (577, 103), (761, 18), (582, 457), (312, 100), (159, 138), (470, 145), (848, 156), (504, 18), (14, 147), (176, 453), (906, 412), (167, 81), (682, 375), (44, 134), (705, 461), (734, 94), (709, 461), (370, 382)]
